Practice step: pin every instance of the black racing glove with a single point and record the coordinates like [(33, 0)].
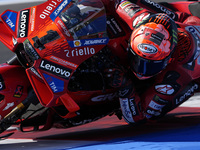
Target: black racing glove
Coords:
[(115, 76), (119, 78)]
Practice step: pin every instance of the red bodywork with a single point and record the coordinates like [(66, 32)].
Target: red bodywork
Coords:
[(36, 22), (13, 33)]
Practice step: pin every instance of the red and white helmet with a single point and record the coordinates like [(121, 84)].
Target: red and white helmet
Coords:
[(151, 45)]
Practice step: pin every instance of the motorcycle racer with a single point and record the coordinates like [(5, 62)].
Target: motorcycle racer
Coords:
[(163, 58), (64, 56)]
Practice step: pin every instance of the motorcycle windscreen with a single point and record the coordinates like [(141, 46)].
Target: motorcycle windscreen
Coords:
[(82, 21)]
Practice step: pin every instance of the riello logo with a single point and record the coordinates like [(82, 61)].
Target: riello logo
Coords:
[(80, 52), (55, 69), (23, 23)]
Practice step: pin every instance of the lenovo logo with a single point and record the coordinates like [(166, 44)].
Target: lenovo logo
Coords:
[(23, 23), (157, 6), (186, 94), (55, 69)]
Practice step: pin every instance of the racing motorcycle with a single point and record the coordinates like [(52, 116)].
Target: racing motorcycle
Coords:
[(56, 78)]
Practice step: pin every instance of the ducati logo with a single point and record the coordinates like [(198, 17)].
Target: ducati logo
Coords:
[(165, 89)]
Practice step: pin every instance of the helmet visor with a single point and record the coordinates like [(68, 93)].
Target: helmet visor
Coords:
[(146, 68)]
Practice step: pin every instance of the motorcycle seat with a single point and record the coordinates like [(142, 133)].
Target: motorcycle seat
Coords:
[(194, 9)]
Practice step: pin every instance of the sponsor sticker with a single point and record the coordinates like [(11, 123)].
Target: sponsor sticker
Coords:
[(130, 8), (55, 84), (49, 8), (126, 109), (10, 18), (105, 97), (125, 3), (80, 52), (55, 69), (9, 105), (165, 89), (114, 28), (195, 31), (30, 50), (152, 112), (158, 8), (159, 100), (35, 72), (23, 23), (2, 84), (89, 42), (146, 48), (59, 9), (32, 20), (62, 27), (157, 38), (155, 105), (18, 91), (133, 107), (63, 62), (186, 93), (139, 18)]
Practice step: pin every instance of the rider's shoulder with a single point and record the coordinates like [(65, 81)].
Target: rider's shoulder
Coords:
[(184, 49), (192, 20)]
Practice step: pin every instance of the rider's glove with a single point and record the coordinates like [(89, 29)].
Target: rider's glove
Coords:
[(115, 77)]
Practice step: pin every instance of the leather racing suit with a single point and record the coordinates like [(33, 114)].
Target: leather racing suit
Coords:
[(142, 100)]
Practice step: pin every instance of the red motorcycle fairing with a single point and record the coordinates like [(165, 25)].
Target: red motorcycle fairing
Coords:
[(55, 47), (14, 90), (58, 36), (8, 28)]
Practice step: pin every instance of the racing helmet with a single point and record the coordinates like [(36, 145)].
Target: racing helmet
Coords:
[(151, 45)]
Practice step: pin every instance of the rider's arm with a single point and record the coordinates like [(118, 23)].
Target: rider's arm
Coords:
[(171, 88), (131, 13)]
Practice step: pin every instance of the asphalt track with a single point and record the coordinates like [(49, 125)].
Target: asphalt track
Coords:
[(179, 130)]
